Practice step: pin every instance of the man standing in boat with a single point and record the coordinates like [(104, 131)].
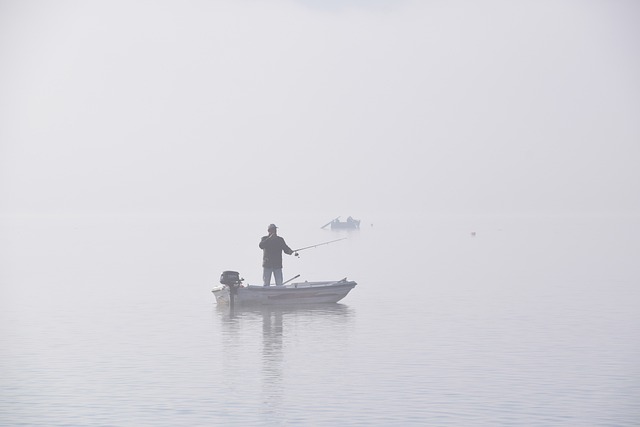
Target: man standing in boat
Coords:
[(272, 247)]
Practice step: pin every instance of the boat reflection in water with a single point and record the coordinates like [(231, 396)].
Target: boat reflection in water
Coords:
[(274, 345)]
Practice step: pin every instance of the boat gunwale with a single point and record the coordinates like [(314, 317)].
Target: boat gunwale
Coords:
[(301, 286)]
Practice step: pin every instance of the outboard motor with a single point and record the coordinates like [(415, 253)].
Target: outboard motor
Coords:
[(230, 278), (233, 281)]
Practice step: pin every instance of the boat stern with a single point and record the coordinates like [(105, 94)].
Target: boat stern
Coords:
[(221, 293)]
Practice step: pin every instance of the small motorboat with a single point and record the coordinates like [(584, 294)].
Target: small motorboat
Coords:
[(349, 224), (288, 294)]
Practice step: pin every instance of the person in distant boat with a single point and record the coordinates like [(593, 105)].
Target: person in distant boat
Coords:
[(272, 248)]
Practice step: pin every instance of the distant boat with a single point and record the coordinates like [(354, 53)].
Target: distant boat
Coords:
[(288, 294), (349, 224)]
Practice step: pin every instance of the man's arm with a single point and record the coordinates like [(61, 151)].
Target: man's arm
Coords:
[(286, 249)]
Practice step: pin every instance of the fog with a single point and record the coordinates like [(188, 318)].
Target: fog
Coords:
[(146, 145), (355, 107)]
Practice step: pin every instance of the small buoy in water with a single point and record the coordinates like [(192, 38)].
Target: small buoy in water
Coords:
[(473, 234)]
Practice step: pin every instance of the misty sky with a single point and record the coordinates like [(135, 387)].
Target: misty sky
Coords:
[(349, 107)]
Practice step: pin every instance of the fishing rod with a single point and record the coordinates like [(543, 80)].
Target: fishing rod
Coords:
[(314, 246)]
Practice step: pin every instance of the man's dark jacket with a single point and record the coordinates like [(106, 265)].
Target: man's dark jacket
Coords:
[(272, 249)]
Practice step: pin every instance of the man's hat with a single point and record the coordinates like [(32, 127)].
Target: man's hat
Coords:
[(272, 227)]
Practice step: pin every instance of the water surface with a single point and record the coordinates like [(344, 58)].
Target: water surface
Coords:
[(531, 321)]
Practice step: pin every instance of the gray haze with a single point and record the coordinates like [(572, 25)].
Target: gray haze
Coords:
[(145, 146), (339, 107)]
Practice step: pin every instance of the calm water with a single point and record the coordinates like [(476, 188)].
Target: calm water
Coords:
[(109, 321)]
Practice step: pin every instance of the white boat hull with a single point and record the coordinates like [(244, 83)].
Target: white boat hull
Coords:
[(294, 293)]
